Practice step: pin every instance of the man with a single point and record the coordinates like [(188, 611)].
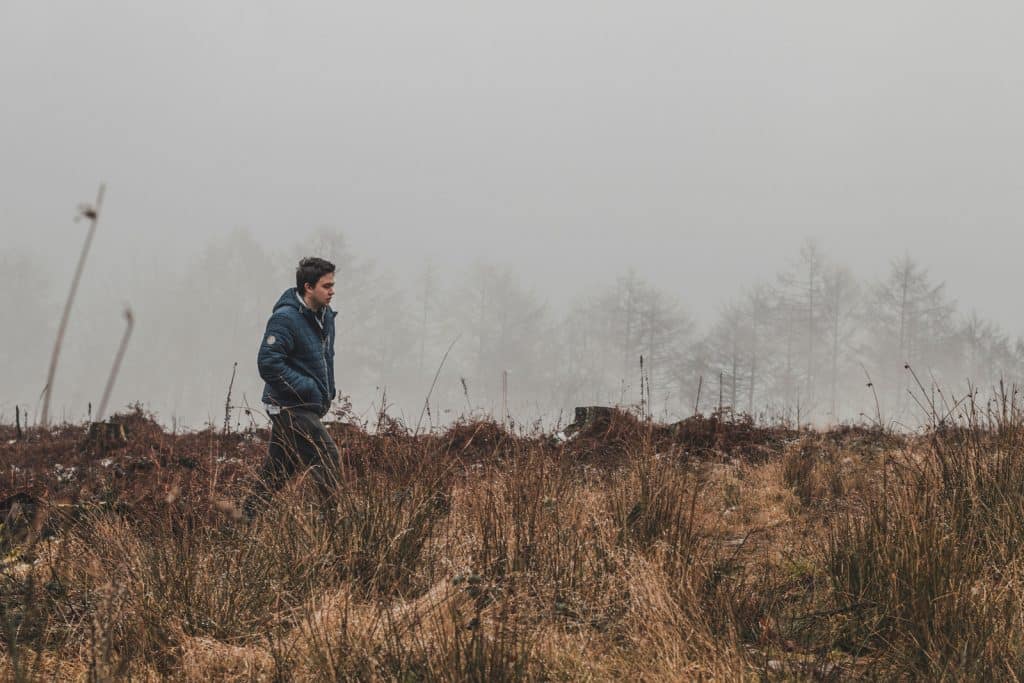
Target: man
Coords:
[(296, 360)]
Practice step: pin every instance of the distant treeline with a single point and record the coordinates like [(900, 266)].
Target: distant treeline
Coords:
[(799, 346)]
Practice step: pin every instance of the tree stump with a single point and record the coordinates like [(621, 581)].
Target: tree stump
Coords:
[(588, 416), (103, 437)]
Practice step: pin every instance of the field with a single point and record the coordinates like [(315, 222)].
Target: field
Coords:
[(710, 549)]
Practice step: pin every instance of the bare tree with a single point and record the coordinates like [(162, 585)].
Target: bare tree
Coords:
[(506, 325), (757, 303), (799, 295), (910, 321), (427, 293), (987, 354), (840, 302)]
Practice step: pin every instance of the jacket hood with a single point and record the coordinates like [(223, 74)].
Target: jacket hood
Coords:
[(290, 298)]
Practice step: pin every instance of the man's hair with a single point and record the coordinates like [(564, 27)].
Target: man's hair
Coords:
[(310, 271)]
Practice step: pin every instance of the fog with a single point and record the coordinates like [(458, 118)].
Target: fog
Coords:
[(558, 188)]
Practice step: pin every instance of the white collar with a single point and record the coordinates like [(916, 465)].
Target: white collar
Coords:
[(319, 317)]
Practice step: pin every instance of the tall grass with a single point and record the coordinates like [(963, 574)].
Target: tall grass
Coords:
[(478, 555), (928, 567)]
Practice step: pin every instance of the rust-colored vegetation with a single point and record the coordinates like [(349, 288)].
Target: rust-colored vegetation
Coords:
[(713, 548)]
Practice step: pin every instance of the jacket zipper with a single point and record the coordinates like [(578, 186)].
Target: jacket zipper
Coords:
[(323, 357), (327, 375), (323, 353)]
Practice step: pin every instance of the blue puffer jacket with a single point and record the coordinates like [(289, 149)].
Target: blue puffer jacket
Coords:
[(296, 357)]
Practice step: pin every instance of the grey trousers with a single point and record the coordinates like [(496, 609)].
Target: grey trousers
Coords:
[(298, 441)]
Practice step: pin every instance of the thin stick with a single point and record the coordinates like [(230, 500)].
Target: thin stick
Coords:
[(504, 398), (437, 374), (17, 422), (641, 386), (248, 411), (129, 324), (93, 214), (878, 406), (227, 401), (650, 409), (647, 383), (696, 404), (721, 380)]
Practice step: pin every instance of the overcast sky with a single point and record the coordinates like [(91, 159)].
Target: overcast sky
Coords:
[(698, 142)]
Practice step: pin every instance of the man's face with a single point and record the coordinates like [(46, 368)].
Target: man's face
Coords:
[(322, 294)]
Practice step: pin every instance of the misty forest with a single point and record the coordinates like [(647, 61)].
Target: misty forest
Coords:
[(815, 344)]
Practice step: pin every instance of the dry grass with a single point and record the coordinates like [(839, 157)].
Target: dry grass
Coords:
[(700, 551)]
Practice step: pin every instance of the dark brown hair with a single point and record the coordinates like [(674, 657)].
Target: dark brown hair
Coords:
[(310, 270)]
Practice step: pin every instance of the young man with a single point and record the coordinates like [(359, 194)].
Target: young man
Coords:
[(296, 360)]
